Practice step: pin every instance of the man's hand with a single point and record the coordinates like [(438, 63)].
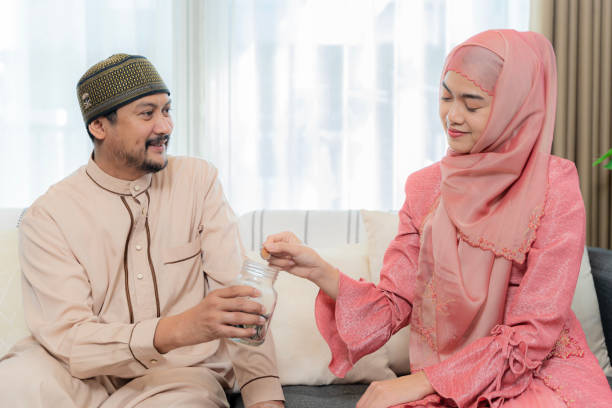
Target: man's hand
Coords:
[(383, 394), (211, 319), (268, 404)]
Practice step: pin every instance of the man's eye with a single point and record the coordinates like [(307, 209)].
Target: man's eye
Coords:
[(147, 113), (446, 98)]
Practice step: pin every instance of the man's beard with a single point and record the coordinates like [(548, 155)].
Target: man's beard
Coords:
[(144, 164), (153, 167)]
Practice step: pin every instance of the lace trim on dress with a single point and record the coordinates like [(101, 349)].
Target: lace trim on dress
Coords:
[(517, 254), (548, 381), (428, 215), (426, 332), (566, 346)]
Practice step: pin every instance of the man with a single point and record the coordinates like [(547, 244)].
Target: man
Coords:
[(125, 265)]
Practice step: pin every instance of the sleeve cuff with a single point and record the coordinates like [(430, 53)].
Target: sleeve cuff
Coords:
[(141, 344), (262, 389)]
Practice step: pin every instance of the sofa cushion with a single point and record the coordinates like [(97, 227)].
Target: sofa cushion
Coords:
[(601, 268), (586, 308), (302, 354), (381, 227), (317, 228), (12, 323)]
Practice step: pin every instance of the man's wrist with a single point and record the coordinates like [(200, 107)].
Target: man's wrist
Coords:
[(164, 339)]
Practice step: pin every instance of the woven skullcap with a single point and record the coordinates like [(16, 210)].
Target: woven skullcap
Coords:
[(117, 81)]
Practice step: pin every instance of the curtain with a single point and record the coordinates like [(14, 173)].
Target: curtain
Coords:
[(581, 33), (330, 104)]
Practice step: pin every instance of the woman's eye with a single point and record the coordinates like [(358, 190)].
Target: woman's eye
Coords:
[(147, 113), (446, 98)]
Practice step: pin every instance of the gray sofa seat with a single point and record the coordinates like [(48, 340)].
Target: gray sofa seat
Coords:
[(320, 396)]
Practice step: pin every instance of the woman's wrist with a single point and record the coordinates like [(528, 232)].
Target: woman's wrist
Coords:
[(424, 383), (327, 278)]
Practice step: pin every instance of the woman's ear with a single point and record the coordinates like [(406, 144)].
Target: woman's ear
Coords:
[(97, 129)]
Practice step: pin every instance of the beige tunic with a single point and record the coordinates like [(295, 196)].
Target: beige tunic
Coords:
[(104, 258)]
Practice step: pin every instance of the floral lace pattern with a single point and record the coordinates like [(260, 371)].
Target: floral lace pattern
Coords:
[(547, 379), (566, 346), (518, 254)]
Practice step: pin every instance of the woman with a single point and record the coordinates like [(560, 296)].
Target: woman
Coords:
[(486, 259)]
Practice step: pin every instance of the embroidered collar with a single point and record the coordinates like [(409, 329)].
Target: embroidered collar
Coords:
[(115, 185)]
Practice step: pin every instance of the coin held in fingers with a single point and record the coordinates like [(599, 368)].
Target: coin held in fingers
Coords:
[(265, 254)]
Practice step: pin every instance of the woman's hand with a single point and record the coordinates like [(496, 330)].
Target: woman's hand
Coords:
[(383, 394), (287, 252)]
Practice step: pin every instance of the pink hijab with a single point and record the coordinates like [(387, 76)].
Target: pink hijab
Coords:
[(491, 199)]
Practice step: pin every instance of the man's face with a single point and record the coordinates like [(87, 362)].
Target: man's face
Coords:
[(136, 142)]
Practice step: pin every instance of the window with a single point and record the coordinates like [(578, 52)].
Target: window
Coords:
[(305, 103), (45, 47), (331, 104)]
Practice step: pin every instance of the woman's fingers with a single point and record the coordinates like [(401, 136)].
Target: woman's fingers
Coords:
[(281, 263), (285, 236), (281, 249)]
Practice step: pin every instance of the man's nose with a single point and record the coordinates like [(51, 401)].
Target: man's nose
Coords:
[(163, 125)]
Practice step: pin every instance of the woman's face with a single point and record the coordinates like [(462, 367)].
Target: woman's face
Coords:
[(464, 111)]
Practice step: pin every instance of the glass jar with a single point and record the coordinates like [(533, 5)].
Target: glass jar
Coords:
[(262, 278)]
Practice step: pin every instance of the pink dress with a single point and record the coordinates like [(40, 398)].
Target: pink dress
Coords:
[(537, 357)]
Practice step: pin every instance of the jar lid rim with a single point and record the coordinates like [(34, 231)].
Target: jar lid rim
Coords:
[(260, 268)]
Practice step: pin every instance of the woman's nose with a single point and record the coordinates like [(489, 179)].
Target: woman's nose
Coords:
[(454, 114)]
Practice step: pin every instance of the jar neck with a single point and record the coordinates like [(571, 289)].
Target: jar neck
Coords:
[(259, 271)]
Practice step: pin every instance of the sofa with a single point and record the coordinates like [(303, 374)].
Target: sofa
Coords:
[(354, 241)]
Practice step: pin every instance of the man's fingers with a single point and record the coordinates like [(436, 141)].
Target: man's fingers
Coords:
[(242, 305), (236, 291), (238, 332), (240, 318)]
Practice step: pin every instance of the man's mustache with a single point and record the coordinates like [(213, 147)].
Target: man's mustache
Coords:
[(158, 140)]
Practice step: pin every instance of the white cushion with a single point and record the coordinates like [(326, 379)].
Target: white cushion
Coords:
[(302, 354), (381, 227), (12, 322), (316, 228), (10, 218), (586, 308)]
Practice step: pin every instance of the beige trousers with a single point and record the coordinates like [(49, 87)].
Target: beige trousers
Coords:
[(30, 378)]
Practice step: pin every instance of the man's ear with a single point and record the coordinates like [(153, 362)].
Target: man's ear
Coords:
[(97, 128)]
